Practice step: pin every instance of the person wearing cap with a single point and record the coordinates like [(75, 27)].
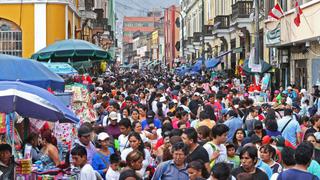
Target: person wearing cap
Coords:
[(112, 127), (6, 162), (195, 103), (291, 93), (84, 140), (101, 159), (151, 121)]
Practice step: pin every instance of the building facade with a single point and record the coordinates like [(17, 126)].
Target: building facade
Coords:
[(295, 50), (171, 31), (144, 25), (30, 25)]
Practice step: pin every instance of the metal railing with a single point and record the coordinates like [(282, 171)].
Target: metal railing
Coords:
[(241, 9), (223, 20)]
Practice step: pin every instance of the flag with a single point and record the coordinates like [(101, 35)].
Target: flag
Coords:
[(276, 12), (298, 13)]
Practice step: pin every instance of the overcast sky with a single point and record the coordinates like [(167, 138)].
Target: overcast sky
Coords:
[(138, 8)]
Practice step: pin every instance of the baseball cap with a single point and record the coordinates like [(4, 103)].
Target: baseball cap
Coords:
[(197, 94), (175, 101), (113, 116), (289, 87), (84, 130), (150, 114), (103, 136)]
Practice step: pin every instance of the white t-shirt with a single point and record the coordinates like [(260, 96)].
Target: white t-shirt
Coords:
[(112, 175), (87, 173), (145, 162), (223, 152), (123, 142)]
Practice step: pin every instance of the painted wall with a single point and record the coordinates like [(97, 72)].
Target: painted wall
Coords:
[(56, 27), (11, 12)]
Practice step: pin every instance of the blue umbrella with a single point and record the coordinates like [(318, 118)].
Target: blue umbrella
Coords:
[(34, 102), (29, 71), (61, 68), (210, 63)]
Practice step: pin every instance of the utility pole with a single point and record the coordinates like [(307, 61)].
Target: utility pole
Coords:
[(182, 32), (256, 38), (203, 45)]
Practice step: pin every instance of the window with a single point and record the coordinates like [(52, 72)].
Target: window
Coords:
[(10, 38)]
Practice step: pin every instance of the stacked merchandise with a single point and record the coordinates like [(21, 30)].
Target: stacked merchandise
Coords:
[(81, 104), (24, 169)]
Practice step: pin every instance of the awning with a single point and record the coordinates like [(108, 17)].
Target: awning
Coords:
[(210, 63), (265, 67)]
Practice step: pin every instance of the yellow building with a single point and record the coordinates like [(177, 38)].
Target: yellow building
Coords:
[(30, 25)]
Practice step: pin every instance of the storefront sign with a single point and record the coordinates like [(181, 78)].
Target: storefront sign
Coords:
[(273, 36)]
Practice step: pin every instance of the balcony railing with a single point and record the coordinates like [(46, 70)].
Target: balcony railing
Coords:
[(101, 23), (208, 30), (222, 21), (241, 9), (196, 36)]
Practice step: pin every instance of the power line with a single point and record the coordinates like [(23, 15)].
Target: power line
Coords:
[(130, 7)]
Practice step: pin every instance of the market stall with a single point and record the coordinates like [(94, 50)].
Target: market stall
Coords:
[(28, 101)]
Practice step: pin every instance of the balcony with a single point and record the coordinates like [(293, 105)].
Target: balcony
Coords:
[(101, 23), (196, 36), (208, 30), (241, 9), (222, 22)]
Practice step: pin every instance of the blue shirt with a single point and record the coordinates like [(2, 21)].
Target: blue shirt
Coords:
[(264, 167), (101, 162), (168, 171), (156, 122), (296, 174), (234, 123), (290, 132)]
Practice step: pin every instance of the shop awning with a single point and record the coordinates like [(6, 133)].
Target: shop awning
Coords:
[(210, 63), (265, 67)]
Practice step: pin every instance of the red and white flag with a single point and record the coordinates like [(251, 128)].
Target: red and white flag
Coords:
[(298, 13), (276, 12)]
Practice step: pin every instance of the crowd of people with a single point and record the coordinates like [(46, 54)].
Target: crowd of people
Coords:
[(162, 126)]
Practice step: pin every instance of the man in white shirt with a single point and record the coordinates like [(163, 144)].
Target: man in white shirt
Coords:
[(79, 159), (125, 129)]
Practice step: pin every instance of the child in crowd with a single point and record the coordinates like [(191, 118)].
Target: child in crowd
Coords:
[(113, 170), (232, 157)]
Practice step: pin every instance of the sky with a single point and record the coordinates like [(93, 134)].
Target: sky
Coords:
[(138, 8)]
